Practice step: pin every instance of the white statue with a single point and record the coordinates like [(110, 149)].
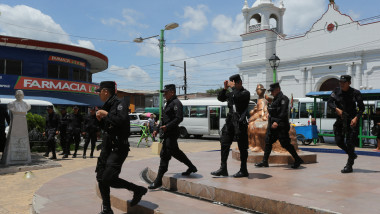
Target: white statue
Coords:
[(17, 149)]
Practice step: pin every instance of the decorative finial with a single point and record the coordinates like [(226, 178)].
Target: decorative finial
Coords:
[(245, 7), (282, 4)]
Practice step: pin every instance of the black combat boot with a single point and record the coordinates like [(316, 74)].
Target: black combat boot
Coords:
[(191, 169), (263, 163), (158, 181), (297, 163), (106, 210), (138, 194), (350, 163), (222, 171), (241, 174)]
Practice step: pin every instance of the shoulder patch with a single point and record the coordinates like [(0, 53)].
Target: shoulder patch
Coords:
[(282, 102), (120, 107), (333, 95), (175, 108)]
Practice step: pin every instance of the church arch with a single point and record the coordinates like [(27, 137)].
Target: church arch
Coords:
[(255, 19), (273, 21), (328, 83)]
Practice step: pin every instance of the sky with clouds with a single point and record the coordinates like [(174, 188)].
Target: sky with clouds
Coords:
[(208, 36)]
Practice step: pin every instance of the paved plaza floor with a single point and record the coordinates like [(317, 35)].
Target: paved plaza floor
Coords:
[(320, 186)]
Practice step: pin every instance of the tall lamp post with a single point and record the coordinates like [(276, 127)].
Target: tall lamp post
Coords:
[(274, 62), (170, 26), (184, 77)]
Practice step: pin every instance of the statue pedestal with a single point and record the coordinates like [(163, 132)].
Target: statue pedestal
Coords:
[(17, 149), (276, 157)]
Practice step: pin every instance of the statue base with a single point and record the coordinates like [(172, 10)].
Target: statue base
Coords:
[(276, 157)]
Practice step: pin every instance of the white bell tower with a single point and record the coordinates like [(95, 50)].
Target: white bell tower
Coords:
[(263, 30)]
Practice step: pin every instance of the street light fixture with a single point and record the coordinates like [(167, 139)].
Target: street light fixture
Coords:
[(184, 77), (274, 62), (169, 26)]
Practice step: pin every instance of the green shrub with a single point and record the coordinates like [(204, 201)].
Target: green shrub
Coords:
[(35, 121)]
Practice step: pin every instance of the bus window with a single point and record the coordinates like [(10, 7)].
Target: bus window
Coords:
[(225, 111), (307, 109), (186, 112), (198, 111), (294, 113)]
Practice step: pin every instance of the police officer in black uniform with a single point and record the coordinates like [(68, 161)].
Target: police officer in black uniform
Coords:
[(62, 128), (172, 116), (4, 116), (346, 101), (51, 129), (91, 131), (278, 127), (74, 127), (236, 125), (114, 120)]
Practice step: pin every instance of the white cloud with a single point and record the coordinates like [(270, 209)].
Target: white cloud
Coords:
[(133, 73), (197, 19), (301, 15), (27, 22), (227, 28), (130, 18), (176, 73)]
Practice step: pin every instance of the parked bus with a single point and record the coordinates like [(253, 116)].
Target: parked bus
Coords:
[(204, 117), (325, 117)]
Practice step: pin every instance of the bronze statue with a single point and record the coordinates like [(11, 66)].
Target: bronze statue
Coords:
[(258, 122)]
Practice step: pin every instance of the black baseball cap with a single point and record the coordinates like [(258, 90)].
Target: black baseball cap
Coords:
[(75, 107), (50, 107), (107, 84), (235, 77), (169, 87), (345, 78), (274, 86)]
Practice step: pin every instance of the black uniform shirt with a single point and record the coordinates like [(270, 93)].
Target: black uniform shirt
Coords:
[(116, 123), (238, 97), (91, 124), (4, 116), (74, 121), (278, 110), (172, 114), (348, 101), (52, 122), (63, 123)]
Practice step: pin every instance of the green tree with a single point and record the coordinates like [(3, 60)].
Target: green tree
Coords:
[(214, 91)]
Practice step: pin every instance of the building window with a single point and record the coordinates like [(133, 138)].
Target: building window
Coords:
[(63, 72), (53, 71), (79, 74), (75, 74), (13, 67), (89, 75), (2, 66)]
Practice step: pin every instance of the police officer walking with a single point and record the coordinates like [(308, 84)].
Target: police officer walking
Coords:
[(4, 116), (74, 127), (278, 127), (172, 116), (114, 120), (91, 131), (62, 128), (51, 129), (236, 125), (345, 101)]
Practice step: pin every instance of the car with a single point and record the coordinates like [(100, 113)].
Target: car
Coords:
[(137, 119)]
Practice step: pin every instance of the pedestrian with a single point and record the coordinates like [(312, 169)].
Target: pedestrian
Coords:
[(348, 104), (278, 127), (114, 120), (91, 131), (236, 125), (74, 127), (376, 128), (51, 129), (172, 116), (62, 128), (4, 116), (151, 123)]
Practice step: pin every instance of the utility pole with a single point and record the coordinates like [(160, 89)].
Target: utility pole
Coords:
[(185, 79)]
